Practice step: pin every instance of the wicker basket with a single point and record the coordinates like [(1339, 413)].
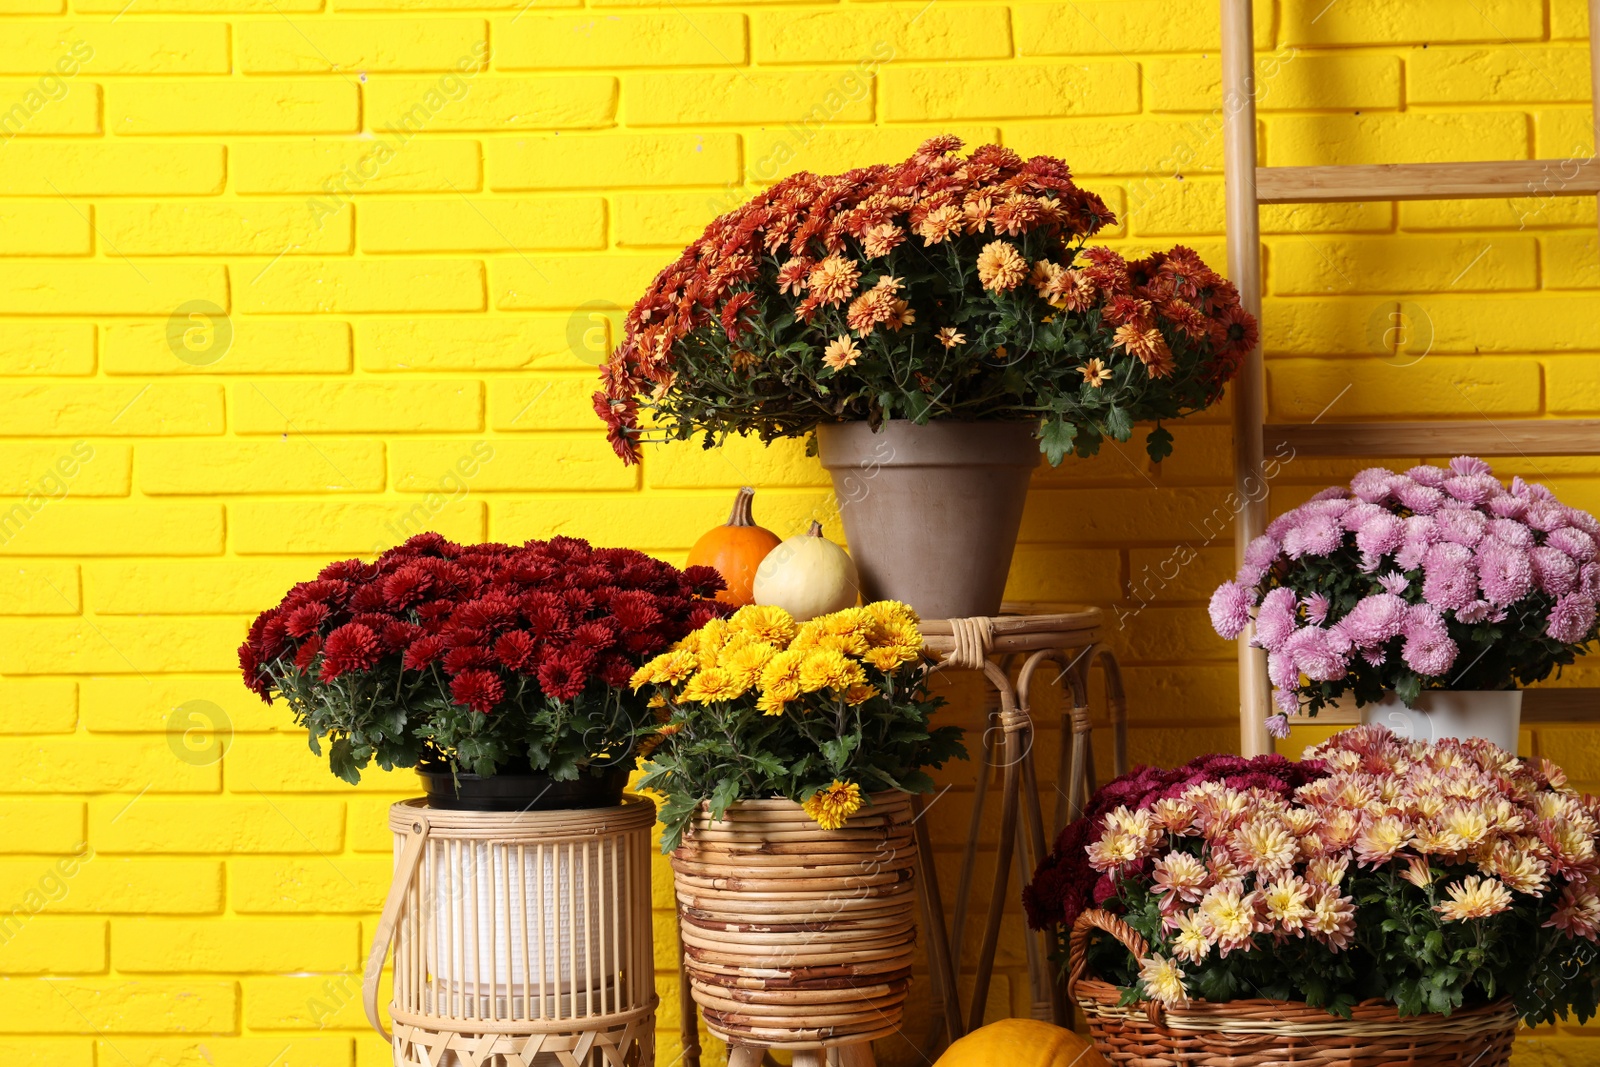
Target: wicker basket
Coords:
[(796, 937), (521, 939), (1274, 1033)]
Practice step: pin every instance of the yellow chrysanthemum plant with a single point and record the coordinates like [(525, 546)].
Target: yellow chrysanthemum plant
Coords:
[(825, 713)]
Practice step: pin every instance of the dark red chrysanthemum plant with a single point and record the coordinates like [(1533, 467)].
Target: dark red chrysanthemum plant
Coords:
[(485, 658), (943, 287)]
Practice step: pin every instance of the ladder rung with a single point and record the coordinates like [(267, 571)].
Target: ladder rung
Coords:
[(1482, 437), (1427, 181)]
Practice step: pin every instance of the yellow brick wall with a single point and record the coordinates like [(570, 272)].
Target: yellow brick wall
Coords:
[(404, 226)]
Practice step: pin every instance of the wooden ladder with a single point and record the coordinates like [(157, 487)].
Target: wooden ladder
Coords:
[(1247, 187)]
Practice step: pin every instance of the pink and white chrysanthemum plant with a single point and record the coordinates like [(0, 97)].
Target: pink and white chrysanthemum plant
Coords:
[(1438, 578), (1434, 876)]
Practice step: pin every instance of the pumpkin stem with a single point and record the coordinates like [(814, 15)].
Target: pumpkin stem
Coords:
[(816, 529), (741, 515)]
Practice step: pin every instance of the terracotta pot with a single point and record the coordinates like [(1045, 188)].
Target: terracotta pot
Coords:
[(795, 936), (1492, 714), (932, 512)]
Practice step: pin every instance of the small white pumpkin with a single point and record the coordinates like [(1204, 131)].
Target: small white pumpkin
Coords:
[(807, 576)]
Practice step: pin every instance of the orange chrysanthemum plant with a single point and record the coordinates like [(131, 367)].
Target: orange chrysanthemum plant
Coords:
[(1434, 876), (943, 287)]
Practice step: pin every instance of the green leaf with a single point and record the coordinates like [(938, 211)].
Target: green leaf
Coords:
[(1119, 423), (1056, 440)]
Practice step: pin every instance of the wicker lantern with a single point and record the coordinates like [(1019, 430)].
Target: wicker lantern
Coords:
[(521, 939)]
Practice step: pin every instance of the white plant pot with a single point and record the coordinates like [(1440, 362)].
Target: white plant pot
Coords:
[(1492, 714)]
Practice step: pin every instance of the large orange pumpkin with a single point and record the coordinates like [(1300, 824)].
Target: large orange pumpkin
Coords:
[(1021, 1043), (735, 549)]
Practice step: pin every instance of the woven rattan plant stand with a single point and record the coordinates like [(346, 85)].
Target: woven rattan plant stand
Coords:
[(1274, 1033), (521, 939), (1059, 643)]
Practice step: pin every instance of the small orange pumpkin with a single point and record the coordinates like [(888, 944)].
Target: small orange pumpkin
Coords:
[(735, 549)]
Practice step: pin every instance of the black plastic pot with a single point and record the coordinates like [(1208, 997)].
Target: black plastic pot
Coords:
[(520, 792)]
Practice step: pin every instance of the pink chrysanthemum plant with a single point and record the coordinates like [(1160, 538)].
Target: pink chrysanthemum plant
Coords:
[(1437, 578), (942, 287), (1432, 876)]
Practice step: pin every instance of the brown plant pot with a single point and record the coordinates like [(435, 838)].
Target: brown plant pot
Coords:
[(932, 512), (795, 936)]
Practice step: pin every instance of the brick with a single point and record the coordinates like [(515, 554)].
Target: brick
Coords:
[(26, 110), (339, 168), (1196, 207), (257, 347), (1327, 326), (256, 106), (1541, 210), (479, 344), (1571, 260), (1179, 573), (808, 145), (96, 168), (1481, 386), (1574, 385), (54, 946), (367, 527), (1525, 74), (1114, 518), (612, 160), (1540, 323), (50, 826), (209, 1051), (232, 825), (546, 283), (130, 47), (407, 45), (111, 529), (358, 407), (498, 225), (450, 5), (563, 102), (76, 764), (1171, 635), (238, 468), (344, 286), (736, 462), (1015, 91), (131, 704), (239, 946), (1057, 574), (195, 7), (1387, 22), (677, 519), (100, 885), (118, 646), (46, 348), (881, 34), (1413, 137), (353, 885), (46, 229), (1122, 27), (542, 402), (369, 825), (117, 1005), (281, 763), (1569, 20), (45, 1051), (665, 220), (304, 1002), (107, 288), (1125, 146), (58, 469), (1563, 134), (610, 42), (38, 705), (1295, 82), (692, 99), (547, 462), (1419, 264), (237, 228)]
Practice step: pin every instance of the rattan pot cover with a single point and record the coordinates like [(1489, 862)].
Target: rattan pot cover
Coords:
[(1274, 1033), (794, 936), (521, 939)]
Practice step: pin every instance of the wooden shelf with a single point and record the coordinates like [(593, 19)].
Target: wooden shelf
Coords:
[(1513, 437), (1428, 181)]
